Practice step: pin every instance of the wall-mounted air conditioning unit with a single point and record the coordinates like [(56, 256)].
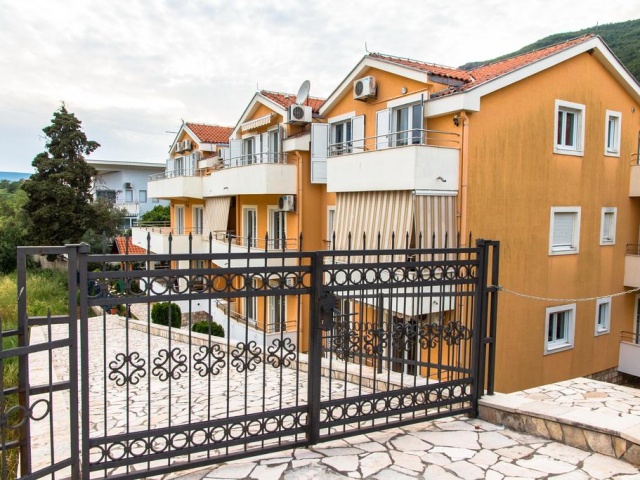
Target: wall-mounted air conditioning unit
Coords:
[(287, 203), (179, 147), (364, 88), (299, 114), (186, 145), (128, 186)]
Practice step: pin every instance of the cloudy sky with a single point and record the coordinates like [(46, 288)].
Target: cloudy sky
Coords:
[(132, 69)]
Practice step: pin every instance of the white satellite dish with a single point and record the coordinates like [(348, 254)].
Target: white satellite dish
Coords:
[(303, 92)]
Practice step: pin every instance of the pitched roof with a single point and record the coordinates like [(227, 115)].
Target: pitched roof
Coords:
[(431, 68), (210, 133), (286, 99), (120, 244)]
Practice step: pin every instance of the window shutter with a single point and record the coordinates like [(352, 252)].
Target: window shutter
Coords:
[(265, 148), (257, 149), (170, 165), (357, 130), (383, 128), (563, 229), (235, 153), (319, 149)]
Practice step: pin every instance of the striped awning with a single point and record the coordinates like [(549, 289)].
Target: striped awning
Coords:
[(258, 122), (372, 219), (435, 221), (216, 214)]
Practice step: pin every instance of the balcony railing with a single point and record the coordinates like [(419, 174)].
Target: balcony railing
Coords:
[(254, 158), (264, 243), (403, 138), (633, 249), (180, 172), (629, 358)]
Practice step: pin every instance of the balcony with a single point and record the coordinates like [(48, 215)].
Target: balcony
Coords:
[(632, 266), (629, 359), (160, 238), (634, 181), (424, 160), (253, 174), (182, 183)]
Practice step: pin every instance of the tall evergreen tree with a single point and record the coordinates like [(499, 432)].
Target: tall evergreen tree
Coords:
[(59, 193)]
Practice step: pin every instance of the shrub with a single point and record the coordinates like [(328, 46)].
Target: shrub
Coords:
[(212, 328), (160, 314)]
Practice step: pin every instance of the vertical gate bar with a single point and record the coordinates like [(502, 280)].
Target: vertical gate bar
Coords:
[(23, 362), (477, 358), (84, 360), (75, 253), (315, 352), (493, 315)]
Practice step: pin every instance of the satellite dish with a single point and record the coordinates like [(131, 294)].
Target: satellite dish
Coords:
[(303, 92)]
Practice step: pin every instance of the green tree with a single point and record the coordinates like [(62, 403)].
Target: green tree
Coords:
[(13, 230), (60, 205), (159, 213)]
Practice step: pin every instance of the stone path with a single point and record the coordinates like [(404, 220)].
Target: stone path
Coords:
[(454, 448)]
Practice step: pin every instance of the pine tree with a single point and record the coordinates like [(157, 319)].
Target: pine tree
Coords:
[(59, 193)]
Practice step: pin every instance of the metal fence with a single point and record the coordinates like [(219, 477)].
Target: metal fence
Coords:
[(316, 346)]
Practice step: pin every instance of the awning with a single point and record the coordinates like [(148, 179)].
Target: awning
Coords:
[(373, 218), (258, 122), (216, 215), (435, 219)]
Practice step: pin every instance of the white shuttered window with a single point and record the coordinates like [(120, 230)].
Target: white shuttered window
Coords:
[(564, 235)]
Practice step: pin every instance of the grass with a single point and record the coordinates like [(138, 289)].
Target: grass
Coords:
[(46, 292)]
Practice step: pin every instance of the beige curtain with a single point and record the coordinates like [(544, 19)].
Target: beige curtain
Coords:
[(216, 216)]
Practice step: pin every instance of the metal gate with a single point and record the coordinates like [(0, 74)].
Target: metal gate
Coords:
[(316, 345)]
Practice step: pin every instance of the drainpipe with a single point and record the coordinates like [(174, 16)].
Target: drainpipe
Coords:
[(299, 196), (464, 173)]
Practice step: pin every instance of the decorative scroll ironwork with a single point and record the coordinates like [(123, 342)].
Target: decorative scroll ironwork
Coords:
[(170, 364), (246, 356), (430, 334), (454, 332), (209, 360), (282, 352), (127, 369)]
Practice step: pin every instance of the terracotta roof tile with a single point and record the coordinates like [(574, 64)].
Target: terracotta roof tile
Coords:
[(121, 246), (431, 68), (286, 99), (210, 133)]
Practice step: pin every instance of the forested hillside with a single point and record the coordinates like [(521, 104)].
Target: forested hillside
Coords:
[(623, 38)]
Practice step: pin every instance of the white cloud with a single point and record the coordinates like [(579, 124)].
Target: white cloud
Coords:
[(130, 70)]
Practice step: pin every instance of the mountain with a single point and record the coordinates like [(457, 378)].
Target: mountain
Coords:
[(13, 176), (622, 38)]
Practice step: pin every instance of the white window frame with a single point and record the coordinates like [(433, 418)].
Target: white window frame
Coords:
[(142, 196), (346, 143), (253, 240), (611, 238), (272, 304), (612, 121), (413, 134), (273, 140), (198, 220), (273, 235), (251, 305), (561, 146), (574, 247), (603, 323), (178, 211), (566, 342), (331, 225), (128, 195)]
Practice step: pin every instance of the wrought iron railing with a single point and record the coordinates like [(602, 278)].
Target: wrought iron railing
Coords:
[(630, 337), (401, 138), (178, 172), (255, 159)]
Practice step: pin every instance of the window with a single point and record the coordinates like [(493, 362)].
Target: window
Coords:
[(341, 137), (277, 319), (198, 220), (251, 304), (274, 146), (277, 229), (179, 220), (559, 328), (331, 216), (608, 226), (407, 123), (612, 134), (108, 195), (128, 195), (249, 226), (603, 315), (564, 234), (248, 150), (142, 196), (569, 123)]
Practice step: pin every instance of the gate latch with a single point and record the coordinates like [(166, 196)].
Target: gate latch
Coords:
[(328, 303)]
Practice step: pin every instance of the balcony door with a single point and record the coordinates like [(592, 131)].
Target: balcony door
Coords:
[(179, 224), (198, 220), (250, 226), (407, 123), (277, 229)]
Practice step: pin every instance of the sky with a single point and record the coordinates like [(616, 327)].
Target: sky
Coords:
[(132, 70)]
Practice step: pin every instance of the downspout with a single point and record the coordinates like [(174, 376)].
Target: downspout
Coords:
[(299, 197), (464, 180)]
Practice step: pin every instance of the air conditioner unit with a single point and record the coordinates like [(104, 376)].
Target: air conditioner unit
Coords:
[(287, 203), (299, 114), (186, 145), (364, 88), (128, 186), (179, 147)]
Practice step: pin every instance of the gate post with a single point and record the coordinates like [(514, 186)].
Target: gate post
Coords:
[(479, 327), (23, 361), (315, 352)]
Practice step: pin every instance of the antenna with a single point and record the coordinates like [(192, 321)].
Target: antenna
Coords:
[(303, 92), (365, 48)]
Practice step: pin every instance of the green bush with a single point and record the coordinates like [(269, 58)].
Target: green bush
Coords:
[(211, 328), (160, 314)]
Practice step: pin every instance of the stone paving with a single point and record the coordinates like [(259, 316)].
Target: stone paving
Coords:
[(454, 448)]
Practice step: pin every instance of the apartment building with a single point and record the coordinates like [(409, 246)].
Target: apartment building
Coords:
[(538, 151)]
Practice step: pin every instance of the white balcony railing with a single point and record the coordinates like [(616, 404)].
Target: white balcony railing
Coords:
[(629, 359)]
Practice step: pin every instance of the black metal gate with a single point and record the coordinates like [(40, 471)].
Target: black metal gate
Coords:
[(317, 345)]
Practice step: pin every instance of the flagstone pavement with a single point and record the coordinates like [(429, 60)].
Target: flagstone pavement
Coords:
[(454, 448)]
